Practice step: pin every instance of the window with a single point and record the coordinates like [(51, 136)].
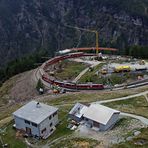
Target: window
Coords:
[(86, 119), (50, 124), (54, 114), (51, 130), (43, 130), (49, 117), (26, 121), (34, 124)]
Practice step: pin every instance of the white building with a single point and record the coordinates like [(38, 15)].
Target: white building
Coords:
[(95, 116), (36, 119), (77, 112)]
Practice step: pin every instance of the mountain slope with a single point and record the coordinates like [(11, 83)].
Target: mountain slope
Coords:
[(28, 25)]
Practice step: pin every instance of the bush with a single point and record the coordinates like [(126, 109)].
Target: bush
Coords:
[(39, 85)]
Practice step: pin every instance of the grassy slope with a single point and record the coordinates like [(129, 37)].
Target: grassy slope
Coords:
[(9, 137), (65, 101), (76, 142), (5, 88), (91, 76), (71, 70), (137, 106), (86, 97)]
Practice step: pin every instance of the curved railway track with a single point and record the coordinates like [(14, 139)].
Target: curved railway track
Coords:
[(67, 85), (47, 80)]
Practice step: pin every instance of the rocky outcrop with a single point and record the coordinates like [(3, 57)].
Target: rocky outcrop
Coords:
[(28, 25)]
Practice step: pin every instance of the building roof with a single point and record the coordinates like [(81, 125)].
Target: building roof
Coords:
[(78, 110), (99, 113), (64, 51), (35, 112)]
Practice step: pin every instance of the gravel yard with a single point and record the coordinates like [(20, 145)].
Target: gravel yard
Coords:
[(116, 135)]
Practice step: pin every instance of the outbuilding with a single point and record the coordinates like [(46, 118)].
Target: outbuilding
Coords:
[(77, 112), (100, 117), (95, 116), (36, 119)]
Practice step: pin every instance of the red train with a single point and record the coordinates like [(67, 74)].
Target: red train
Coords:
[(68, 56), (72, 85), (66, 84)]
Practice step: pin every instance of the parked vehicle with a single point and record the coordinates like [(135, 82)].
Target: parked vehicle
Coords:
[(122, 69)]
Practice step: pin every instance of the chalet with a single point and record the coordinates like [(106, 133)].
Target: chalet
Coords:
[(36, 119), (95, 116)]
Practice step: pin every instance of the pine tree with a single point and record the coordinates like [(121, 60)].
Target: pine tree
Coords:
[(39, 85)]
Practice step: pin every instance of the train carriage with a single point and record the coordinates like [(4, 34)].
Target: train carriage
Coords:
[(67, 85)]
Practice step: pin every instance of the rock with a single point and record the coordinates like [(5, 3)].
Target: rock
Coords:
[(141, 142), (129, 138), (136, 133)]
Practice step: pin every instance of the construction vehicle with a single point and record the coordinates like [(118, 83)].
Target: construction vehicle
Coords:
[(122, 69), (104, 71), (51, 73), (142, 62)]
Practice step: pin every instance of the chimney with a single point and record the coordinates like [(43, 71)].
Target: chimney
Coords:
[(38, 105)]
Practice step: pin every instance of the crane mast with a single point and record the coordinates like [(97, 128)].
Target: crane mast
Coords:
[(88, 30), (97, 42)]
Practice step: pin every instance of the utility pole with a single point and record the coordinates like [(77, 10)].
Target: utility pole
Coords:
[(88, 30)]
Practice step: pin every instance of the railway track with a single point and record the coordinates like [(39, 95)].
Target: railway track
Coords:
[(132, 85), (47, 81)]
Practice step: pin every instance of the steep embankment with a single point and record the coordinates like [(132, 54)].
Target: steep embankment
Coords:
[(18, 89)]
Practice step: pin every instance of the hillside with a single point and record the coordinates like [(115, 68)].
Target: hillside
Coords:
[(20, 89), (28, 25)]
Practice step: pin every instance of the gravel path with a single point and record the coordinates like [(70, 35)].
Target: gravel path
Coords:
[(142, 119), (80, 75), (116, 135), (85, 70), (123, 98)]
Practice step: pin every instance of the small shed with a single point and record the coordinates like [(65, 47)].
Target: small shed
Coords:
[(101, 117), (36, 119), (77, 112)]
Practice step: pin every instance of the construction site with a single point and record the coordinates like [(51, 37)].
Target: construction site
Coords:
[(101, 82), (89, 69)]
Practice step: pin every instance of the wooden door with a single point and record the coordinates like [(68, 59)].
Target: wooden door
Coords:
[(96, 124), (28, 130)]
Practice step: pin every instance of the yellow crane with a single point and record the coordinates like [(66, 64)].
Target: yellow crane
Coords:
[(88, 30)]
